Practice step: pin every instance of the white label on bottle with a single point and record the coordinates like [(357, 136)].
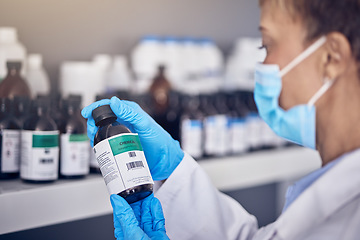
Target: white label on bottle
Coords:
[(122, 162), (39, 155), (93, 161), (254, 135), (75, 154), (10, 151), (239, 143), (216, 135), (191, 137)]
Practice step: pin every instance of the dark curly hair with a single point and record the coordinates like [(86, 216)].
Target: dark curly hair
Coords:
[(322, 17)]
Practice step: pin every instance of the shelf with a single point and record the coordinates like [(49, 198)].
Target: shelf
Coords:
[(25, 206), (258, 168)]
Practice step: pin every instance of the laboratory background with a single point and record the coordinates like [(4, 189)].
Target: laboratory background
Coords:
[(189, 64)]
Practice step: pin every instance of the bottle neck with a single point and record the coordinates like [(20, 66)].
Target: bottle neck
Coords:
[(106, 121), (3, 108), (71, 110), (12, 72), (41, 111)]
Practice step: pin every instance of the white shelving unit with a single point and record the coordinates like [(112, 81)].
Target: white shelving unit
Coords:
[(26, 206)]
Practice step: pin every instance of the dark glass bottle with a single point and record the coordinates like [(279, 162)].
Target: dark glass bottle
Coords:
[(160, 98), (238, 128), (173, 115), (160, 91), (222, 124), (75, 154), (254, 124), (21, 109), (210, 128), (9, 142), (39, 145), (191, 128), (120, 157), (13, 84)]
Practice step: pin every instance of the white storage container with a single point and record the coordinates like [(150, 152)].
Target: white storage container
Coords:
[(83, 78), (36, 76), (11, 49)]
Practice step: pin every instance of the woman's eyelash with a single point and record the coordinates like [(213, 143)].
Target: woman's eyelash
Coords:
[(262, 47)]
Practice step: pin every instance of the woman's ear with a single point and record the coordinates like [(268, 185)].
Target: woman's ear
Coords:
[(338, 55)]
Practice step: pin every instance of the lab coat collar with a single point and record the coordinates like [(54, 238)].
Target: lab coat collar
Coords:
[(328, 194)]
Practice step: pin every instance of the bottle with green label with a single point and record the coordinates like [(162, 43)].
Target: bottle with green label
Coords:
[(9, 142), (75, 154), (121, 158), (39, 145)]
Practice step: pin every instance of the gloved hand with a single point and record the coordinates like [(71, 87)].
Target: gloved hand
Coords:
[(162, 152), (142, 220)]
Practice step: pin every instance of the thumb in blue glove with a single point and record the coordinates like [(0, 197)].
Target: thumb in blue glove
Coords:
[(162, 152), (142, 220)]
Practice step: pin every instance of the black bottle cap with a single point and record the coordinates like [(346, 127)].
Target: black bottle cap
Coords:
[(101, 113), (13, 65)]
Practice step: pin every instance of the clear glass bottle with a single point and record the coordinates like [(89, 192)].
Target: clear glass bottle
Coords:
[(121, 158)]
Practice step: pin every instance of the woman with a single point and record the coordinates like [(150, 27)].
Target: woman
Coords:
[(308, 91)]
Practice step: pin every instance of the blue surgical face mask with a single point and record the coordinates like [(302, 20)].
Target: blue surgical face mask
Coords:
[(298, 124)]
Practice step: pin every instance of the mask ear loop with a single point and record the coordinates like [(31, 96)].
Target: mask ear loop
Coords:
[(328, 83), (303, 56)]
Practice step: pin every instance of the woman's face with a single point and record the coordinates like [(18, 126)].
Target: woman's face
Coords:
[(284, 39)]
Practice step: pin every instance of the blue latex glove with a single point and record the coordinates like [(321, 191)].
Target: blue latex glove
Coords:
[(162, 152), (142, 220)]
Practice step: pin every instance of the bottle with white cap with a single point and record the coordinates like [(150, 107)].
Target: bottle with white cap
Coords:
[(146, 57), (36, 76), (81, 78), (119, 76), (10, 50), (103, 62)]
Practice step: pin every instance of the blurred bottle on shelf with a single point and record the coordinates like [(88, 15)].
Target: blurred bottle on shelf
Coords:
[(237, 127), (36, 76), (21, 109), (10, 50), (39, 145), (253, 124), (13, 84), (212, 125), (173, 115), (75, 155), (160, 97), (146, 57), (55, 109), (120, 79), (239, 70), (191, 126), (213, 63), (103, 63), (222, 124), (82, 78), (160, 90), (172, 60), (9, 141)]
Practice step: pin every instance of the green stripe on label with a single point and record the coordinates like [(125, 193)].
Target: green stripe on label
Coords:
[(45, 141), (78, 138), (125, 143)]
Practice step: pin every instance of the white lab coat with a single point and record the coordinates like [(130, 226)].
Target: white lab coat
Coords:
[(328, 209)]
